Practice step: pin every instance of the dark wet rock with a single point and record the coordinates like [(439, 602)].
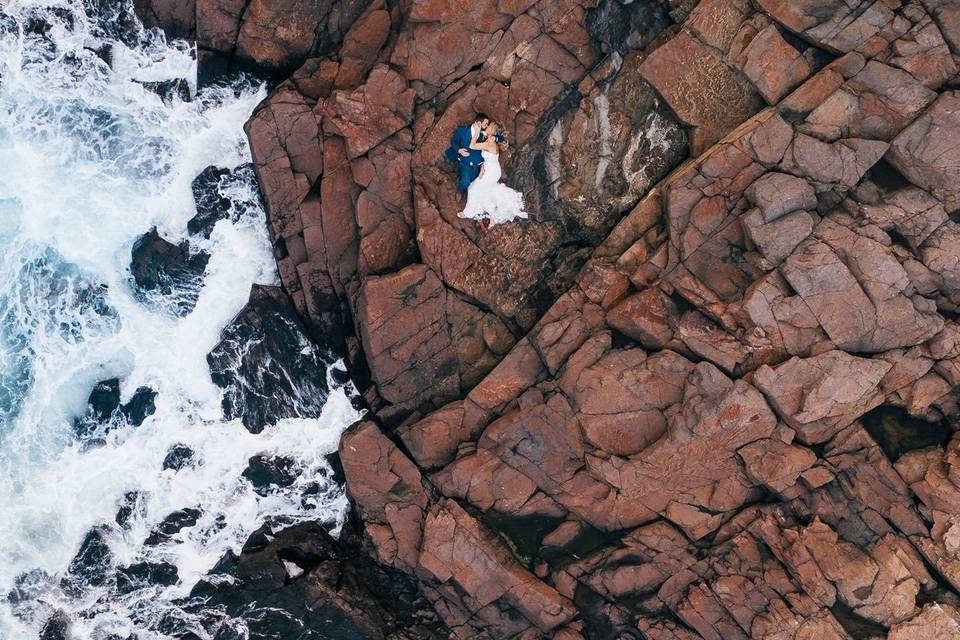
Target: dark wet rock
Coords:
[(105, 412), (104, 399), (91, 565), (626, 26), (337, 466), (267, 364), (57, 627), (170, 90), (144, 574), (131, 503), (170, 271), (268, 473), (212, 206), (302, 581), (24, 595), (173, 524), (178, 456), (140, 405)]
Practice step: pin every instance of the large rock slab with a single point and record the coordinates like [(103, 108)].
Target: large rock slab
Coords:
[(712, 98), (818, 396), (927, 152)]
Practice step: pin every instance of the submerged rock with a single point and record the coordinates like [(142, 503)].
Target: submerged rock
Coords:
[(143, 574), (132, 503), (57, 627), (171, 525), (268, 473), (212, 205), (169, 90), (178, 456), (105, 412), (93, 562), (304, 582), (167, 271), (267, 365)]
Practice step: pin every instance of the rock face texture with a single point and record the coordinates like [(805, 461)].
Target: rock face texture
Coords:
[(661, 408)]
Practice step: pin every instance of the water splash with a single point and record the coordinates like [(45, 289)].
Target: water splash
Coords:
[(90, 159)]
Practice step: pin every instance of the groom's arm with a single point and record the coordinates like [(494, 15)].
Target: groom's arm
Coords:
[(456, 144)]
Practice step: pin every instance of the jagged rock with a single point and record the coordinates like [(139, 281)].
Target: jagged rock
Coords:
[(160, 268), (172, 524), (267, 365), (935, 621), (650, 408), (926, 151), (268, 473), (178, 456), (144, 574), (92, 564), (212, 205), (267, 36), (105, 412), (302, 580), (168, 90)]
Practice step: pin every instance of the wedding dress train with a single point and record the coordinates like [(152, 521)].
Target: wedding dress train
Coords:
[(489, 198)]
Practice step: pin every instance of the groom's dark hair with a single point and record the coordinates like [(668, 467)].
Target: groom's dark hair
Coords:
[(481, 116)]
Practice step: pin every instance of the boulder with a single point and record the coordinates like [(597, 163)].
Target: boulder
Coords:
[(171, 525), (269, 473), (267, 364), (105, 411), (712, 98), (926, 151), (94, 560), (167, 274), (178, 457), (777, 194), (818, 396), (145, 574)]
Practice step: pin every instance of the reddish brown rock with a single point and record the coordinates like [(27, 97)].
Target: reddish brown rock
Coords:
[(773, 65), (818, 396), (372, 113), (777, 194), (669, 434), (926, 151), (647, 317), (936, 621), (712, 98), (388, 491)]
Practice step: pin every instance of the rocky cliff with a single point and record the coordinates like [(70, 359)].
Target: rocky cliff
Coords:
[(708, 391)]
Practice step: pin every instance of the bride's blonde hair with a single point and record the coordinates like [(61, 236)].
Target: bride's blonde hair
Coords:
[(497, 130)]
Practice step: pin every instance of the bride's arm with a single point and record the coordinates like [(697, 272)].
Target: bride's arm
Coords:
[(486, 145)]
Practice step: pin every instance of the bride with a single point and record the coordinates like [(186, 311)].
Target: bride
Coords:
[(488, 198)]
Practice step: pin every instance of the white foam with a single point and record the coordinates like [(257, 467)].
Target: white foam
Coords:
[(90, 160)]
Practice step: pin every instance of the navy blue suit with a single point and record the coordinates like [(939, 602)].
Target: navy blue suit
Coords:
[(468, 167)]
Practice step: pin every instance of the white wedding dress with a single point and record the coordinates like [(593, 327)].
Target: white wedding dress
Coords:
[(488, 198)]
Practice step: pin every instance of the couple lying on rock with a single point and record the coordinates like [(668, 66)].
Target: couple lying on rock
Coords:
[(477, 154)]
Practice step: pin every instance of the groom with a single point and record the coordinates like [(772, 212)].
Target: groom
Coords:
[(468, 160)]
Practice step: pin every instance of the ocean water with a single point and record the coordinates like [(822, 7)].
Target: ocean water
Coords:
[(90, 159)]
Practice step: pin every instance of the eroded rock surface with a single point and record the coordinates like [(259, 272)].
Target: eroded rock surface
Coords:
[(646, 412)]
